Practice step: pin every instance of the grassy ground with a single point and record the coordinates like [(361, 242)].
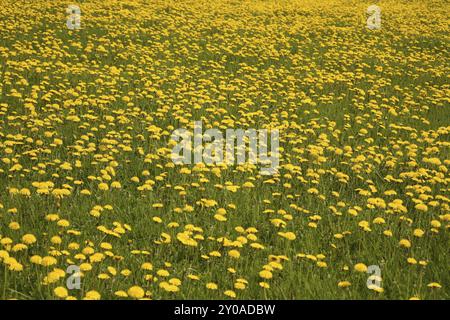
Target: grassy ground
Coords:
[(86, 176)]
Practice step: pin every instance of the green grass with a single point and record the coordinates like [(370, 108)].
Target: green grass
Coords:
[(257, 63)]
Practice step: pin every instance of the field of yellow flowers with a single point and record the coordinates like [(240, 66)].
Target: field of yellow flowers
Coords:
[(87, 182)]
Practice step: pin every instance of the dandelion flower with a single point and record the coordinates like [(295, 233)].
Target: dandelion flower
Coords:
[(136, 292), (360, 267)]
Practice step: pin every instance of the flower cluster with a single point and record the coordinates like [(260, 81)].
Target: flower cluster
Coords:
[(87, 179)]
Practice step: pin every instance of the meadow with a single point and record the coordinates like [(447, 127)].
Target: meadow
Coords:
[(87, 182)]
